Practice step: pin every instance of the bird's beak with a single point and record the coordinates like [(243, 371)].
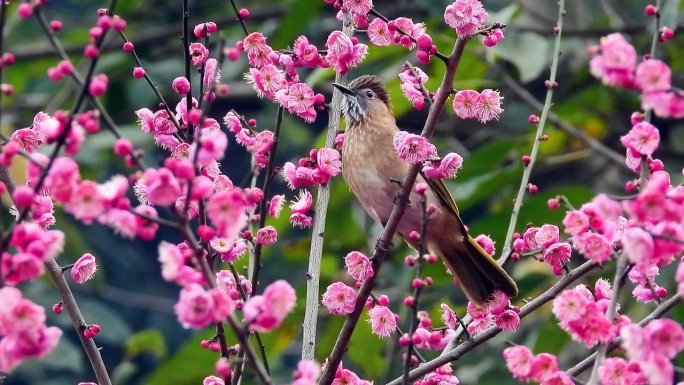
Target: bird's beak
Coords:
[(344, 89)]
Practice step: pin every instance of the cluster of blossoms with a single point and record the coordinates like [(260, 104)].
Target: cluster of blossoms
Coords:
[(583, 314), (274, 73), (316, 169), (615, 63), (544, 243), (498, 310), (416, 149), (542, 368), (642, 141), (23, 333)]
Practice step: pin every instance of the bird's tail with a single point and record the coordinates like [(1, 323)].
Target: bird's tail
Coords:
[(477, 272)]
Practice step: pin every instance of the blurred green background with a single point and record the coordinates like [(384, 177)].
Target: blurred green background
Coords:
[(141, 340)]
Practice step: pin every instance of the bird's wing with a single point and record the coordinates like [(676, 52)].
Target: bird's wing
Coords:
[(442, 192)]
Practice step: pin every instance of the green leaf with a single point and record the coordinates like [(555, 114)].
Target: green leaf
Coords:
[(517, 48), (124, 372), (188, 366), (300, 13), (550, 338), (146, 341)]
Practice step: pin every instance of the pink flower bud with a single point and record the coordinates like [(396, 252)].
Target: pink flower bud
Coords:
[(409, 301), (244, 13), (25, 10), (57, 308), (123, 147), (138, 72), (55, 26), (404, 340), (128, 46), (181, 85), (532, 188), (205, 344), (417, 283), (417, 339), (23, 196), (526, 160), (651, 10), (91, 51), (383, 300)]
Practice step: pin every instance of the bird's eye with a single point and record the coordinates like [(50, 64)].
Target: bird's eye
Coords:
[(370, 94)]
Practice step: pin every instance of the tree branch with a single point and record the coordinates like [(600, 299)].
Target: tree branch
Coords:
[(390, 229)]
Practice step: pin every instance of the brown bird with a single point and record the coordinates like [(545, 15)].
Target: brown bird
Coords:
[(371, 167)]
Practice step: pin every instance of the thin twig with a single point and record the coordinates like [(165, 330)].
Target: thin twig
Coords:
[(657, 313), (417, 290), (390, 229), (610, 314), (492, 331), (537, 139), (319, 220), (77, 321), (557, 121)]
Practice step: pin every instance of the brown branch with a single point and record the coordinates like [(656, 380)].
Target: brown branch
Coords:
[(492, 331), (660, 311), (383, 243), (77, 320)]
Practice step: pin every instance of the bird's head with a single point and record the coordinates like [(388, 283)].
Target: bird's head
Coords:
[(365, 98)]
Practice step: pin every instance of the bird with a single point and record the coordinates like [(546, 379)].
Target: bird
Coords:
[(373, 171)]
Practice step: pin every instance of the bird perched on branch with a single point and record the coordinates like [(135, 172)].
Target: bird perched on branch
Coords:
[(373, 169)]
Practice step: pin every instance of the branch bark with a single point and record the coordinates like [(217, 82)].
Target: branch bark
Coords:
[(383, 243)]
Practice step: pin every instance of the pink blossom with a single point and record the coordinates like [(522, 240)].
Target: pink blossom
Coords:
[(594, 246), (358, 266), (559, 378), (480, 324), (146, 228), (360, 7), (303, 203), (307, 370), (466, 104), (557, 254), (339, 299), (300, 98), (86, 202), (576, 222), (638, 245), (547, 235), (258, 316), (19, 314), (543, 366), (465, 16), (198, 308), (653, 75), (213, 380), (281, 298), (666, 337), (33, 342), (159, 187), (493, 38), (664, 104), (413, 148), (445, 168), (602, 289), (254, 42), (642, 138), (275, 206), (171, 260), (212, 72), (343, 53), (199, 53), (519, 360), (616, 371), (383, 321), (226, 210), (658, 370), (266, 81), (488, 105), (617, 62), (449, 318), (84, 269), (508, 320), (267, 236), (301, 220), (28, 139), (379, 33), (329, 161), (570, 306), (21, 267)]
